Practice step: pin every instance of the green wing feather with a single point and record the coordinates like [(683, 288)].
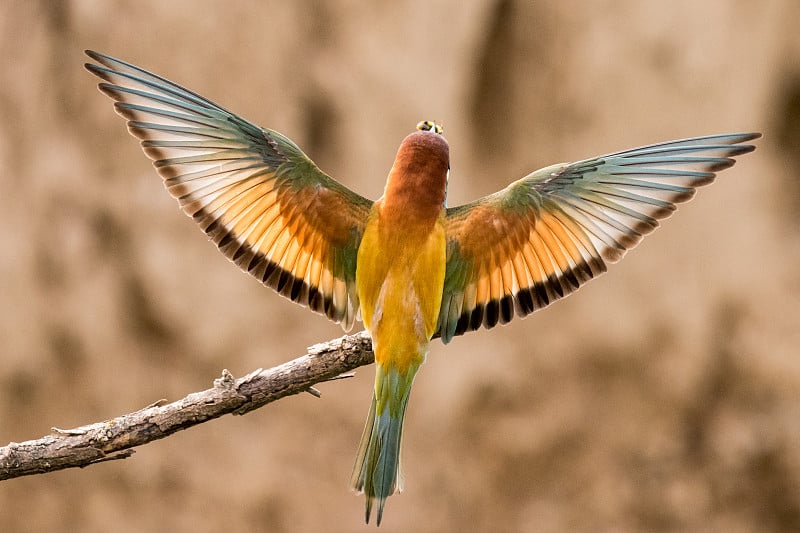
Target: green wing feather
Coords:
[(264, 203), (545, 235)]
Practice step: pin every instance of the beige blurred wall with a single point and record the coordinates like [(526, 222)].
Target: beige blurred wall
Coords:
[(664, 397)]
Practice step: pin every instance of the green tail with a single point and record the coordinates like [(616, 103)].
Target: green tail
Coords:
[(377, 472)]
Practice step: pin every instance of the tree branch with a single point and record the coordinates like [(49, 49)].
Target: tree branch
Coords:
[(113, 439)]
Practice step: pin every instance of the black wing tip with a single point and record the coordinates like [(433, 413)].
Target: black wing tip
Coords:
[(751, 136), (720, 165), (102, 71), (737, 144), (94, 68), (104, 61), (737, 148), (732, 138), (743, 149)]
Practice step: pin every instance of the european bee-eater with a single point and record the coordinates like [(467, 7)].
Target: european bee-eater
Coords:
[(410, 267)]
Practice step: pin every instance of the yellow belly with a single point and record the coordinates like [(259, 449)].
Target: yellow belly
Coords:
[(400, 276)]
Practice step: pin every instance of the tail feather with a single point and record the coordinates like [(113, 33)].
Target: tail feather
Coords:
[(378, 471)]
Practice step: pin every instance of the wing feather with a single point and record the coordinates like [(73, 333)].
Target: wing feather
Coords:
[(259, 198), (545, 235)]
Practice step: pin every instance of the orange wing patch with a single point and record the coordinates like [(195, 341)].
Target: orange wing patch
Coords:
[(265, 205), (544, 236), (518, 263)]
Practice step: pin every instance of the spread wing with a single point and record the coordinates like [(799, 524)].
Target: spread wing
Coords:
[(545, 235), (263, 202)]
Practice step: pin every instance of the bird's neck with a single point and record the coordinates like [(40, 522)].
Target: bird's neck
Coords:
[(414, 196), (415, 189)]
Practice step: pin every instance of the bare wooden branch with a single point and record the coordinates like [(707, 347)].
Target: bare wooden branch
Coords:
[(115, 438)]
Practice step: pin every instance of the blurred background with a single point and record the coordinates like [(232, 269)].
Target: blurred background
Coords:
[(664, 397)]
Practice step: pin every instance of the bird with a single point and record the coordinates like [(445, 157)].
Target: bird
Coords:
[(408, 266)]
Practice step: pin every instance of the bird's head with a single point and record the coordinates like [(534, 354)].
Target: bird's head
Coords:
[(425, 149), (421, 165)]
